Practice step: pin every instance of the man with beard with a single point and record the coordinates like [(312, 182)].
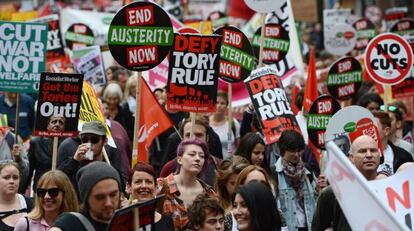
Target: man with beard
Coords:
[(100, 193)]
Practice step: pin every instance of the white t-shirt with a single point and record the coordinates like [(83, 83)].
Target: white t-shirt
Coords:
[(222, 131), (388, 165)]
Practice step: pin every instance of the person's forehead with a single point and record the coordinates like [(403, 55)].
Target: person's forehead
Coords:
[(364, 142), (105, 186), (197, 128)]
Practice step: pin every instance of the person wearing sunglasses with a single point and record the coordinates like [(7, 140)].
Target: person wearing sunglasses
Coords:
[(13, 206), (394, 156), (397, 123), (54, 196), (74, 153)]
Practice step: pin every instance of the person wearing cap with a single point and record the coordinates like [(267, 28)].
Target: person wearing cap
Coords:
[(74, 153), (365, 155), (100, 191)]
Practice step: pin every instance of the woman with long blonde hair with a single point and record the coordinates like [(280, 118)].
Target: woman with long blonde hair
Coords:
[(54, 196)]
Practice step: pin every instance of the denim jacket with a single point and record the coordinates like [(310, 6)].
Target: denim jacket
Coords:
[(287, 198)]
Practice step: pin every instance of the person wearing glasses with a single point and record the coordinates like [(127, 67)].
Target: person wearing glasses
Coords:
[(13, 206), (297, 185), (89, 147), (394, 156), (54, 196), (397, 123)]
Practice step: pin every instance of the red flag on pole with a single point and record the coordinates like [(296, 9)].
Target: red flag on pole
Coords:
[(311, 88), (152, 122)]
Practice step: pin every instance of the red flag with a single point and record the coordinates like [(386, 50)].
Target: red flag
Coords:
[(295, 92), (311, 88), (152, 122)]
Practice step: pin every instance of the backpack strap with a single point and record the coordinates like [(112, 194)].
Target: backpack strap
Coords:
[(85, 222)]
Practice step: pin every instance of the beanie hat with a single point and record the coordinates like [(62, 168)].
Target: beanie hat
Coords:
[(91, 174)]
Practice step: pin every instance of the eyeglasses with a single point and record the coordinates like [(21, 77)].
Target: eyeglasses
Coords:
[(390, 108), (92, 139), (53, 192)]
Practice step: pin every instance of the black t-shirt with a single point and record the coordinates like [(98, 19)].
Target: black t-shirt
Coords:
[(69, 222)]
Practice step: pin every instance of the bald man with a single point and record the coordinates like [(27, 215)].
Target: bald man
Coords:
[(365, 155)]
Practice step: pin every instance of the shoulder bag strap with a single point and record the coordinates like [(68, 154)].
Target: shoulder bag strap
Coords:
[(86, 223)]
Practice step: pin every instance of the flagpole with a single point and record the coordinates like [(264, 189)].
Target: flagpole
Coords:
[(54, 153), (193, 118), (230, 120), (17, 122), (262, 41), (137, 119)]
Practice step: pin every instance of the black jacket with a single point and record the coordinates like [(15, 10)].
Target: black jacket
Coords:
[(401, 156), (40, 157), (70, 166)]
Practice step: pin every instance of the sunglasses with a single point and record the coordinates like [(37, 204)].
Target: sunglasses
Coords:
[(390, 108), (53, 192), (90, 139)]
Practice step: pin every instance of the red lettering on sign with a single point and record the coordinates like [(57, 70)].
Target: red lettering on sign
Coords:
[(263, 83), (272, 31), (346, 90), (139, 16), (230, 70), (232, 38), (195, 44), (375, 225), (321, 138), (344, 66), (325, 106), (142, 55), (79, 29), (340, 173), (392, 196)]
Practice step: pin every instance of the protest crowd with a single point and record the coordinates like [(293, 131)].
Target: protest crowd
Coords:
[(235, 115)]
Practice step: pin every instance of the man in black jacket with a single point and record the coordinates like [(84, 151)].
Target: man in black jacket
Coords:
[(394, 156), (73, 152)]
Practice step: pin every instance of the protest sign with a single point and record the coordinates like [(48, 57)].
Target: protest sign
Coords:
[(271, 104), (3, 121), (193, 73), (236, 56), (397, 193), (344, 78), (90, 110), (388, 58), (22, 56), (320, 113), (58, 104), (264, 6), (332, 17), (365, 31), (140, 36), (79, 35), (351, 122), (55, 48), (392, 15), (275, 45), (97, 21), (340, 39), (405, 28), (361, 206), (88, 61), (123, 219)]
